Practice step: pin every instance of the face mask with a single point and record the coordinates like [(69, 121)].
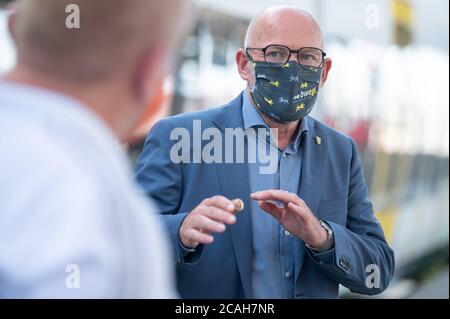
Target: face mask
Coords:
[(285, 93)]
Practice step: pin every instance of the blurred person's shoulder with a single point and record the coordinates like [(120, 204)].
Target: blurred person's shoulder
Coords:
[(42, 144), (34, 161), (28, 146)]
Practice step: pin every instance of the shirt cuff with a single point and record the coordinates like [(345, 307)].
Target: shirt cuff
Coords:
[(186, 250), (190, 255), (187, 254), (329, 247), (326, 257)]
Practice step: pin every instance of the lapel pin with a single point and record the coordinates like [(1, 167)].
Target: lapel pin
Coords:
[(318, 140)]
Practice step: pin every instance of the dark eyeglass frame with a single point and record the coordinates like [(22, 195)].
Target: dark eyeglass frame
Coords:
[(289, 56)]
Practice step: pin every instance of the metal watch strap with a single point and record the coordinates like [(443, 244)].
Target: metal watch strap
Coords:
[(328, 243)]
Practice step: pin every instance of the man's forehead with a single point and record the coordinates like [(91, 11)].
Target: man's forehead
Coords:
[(292, 27), (290, 37)]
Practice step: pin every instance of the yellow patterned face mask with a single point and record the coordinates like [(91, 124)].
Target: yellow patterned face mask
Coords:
[(285, 93)]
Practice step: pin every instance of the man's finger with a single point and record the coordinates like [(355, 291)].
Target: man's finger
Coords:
[(198, 237), (272, 209), (221, 202), (219, 215), (208, 225), (299, 211), (277, 195)]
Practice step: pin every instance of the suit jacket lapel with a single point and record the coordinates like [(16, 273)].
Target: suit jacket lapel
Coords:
[(314, 151), (313, 163), (235, 184)]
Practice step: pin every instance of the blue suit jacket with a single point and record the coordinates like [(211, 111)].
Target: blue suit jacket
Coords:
[(331, 184)]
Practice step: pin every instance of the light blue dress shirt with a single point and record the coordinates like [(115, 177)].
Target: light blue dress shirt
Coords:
[(273, 265)]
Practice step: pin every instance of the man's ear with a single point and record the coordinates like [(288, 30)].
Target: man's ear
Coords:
[(11, 23), (149, 72), (147, 89), (159, 107), (243, 65), (327, 63)]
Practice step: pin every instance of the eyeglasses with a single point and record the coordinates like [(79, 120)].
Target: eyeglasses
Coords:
[(280, 54)]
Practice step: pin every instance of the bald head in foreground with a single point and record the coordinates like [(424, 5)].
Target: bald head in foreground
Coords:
[(74, 225), (306, 224), (112, 62)]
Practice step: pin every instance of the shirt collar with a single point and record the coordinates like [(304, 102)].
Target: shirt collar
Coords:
[(250, 114), (252, 118)]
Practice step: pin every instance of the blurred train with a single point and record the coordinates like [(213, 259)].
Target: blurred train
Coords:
[(393, 102)]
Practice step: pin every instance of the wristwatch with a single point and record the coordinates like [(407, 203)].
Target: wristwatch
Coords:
[(328, 244)]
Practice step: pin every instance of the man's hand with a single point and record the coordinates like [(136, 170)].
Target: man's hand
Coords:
[(210, 216), (294, 215)]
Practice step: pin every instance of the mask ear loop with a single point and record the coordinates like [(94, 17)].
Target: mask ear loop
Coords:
[(254, 72), (249, 56)]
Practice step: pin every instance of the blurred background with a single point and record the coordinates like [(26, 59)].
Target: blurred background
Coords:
[(388, 89)]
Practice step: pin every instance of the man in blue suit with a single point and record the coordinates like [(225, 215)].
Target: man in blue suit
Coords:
[(303, 225)]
